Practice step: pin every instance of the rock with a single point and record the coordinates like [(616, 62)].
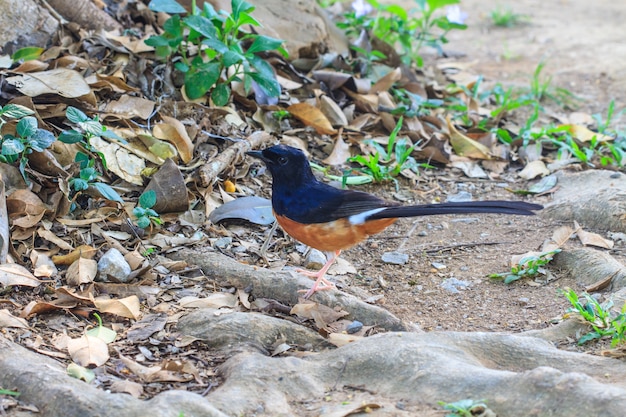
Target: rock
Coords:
[(354, 327), (113, 264), (395, 258), (461, 196), (453, 285), (315, 259)]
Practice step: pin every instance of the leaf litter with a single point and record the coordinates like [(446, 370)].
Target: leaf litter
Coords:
[(332, 119)]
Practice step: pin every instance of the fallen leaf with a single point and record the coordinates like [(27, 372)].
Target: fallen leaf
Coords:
[(464, 145), (25, 208), (592, 239), (61, 81), (215, 300), (125, 307), (342, 339), (83, 251), (332, 111), (14, 274), (129, 387), (340, 153), (312, 116), (559, 237), (88, 351), (9, 320), (43, 265), (254, 209), (583, 133), (81, 271), (80, 372), (119, 160), (172, 130), (534, 169)]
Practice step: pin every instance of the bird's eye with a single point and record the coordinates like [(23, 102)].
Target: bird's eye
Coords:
[(282, 160)]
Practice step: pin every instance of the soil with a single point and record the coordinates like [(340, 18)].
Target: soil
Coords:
[(583, 50)]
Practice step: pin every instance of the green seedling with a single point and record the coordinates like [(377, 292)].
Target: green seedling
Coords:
[(409, 30), (101, 332), (281, 115), (9, 392), (28, 53), (599, 317), (28, 137), (528, 267), (386, 163), (505, 17), (346, 179), (212, 49), (144, 213), (464, 408)]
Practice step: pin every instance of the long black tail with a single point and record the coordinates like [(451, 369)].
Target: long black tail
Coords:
[(501, 207)]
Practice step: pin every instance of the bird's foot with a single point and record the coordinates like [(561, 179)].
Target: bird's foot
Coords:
[(327, 285)]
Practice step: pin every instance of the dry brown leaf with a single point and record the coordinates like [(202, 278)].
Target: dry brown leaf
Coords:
[(172, 130), (119, 160), (583, 133), (125, 307), (312, 116), (129, 387), (152, 373), (340, 153), (14, 274), (83, 251), (53, 238), (44, 267), (61, 81), (129, 107), (342, 339), (466, 146), (332, 111), (386, 82), (215, 300), (533, 170), (25, 208), (320, 313), (592, 239), (9, 320), (82, 271), (559, 237), (88, 351)]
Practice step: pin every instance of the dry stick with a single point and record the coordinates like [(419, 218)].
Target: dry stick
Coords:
[(208, 173), (5, 235)]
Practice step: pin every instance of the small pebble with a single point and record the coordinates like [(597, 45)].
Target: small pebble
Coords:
[(395, 258), (438, 265), (461, 196), (453, 285), (223, 242), (524, 300), (354, 327), (114, 265), (423, 233), (315, 260)]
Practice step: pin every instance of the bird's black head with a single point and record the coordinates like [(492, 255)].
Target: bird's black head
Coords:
[(288, 166)]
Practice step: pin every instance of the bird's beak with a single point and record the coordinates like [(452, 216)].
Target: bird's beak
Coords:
[(256, 154)]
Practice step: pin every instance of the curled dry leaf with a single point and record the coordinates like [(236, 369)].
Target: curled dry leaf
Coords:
[(332, 111), (215, 300), (129, 107), (9, 320), (534, 169), (559, 237), (340, 153), (81, 271), (13, 274), (25, 208), (583, 133), (44, 267), (88, 351), (172, 130), (125, 307), (592, 239), (129, 387), (312, 116), (83, 251), (463, 145), (342, 339)]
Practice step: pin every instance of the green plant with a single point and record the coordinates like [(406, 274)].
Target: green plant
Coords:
[(464, 408), (9, 392), (281, 114), (409, 30), (212, 50), (507, 18), (599, 317), (28, 137), (529, 267), (144, 213), (386, 163)]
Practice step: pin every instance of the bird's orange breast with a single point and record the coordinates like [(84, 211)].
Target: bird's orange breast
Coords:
[(332, 236)]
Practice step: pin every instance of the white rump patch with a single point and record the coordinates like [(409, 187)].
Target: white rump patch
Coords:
[(362, 217)]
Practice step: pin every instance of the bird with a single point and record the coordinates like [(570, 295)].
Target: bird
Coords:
[(331, 219)]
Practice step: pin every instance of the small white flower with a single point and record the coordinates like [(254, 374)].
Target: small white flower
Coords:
[(455, 15), (361, 8)]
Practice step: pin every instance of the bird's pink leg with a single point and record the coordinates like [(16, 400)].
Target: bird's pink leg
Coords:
[(319, 276)]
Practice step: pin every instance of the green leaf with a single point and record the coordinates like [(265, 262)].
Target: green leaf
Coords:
[(216, 44), (12, 147), (437, 4), (109, 134), (83, 160), (148, 199), (231, 58), (92, 127), (27, 54), (173, 30), (166, 6), (70, 136), (398, 11), (200, 79), (26, 127), (107, 192), (220, 94), (88, 174), (41, 140), (103, 333), (15, 111), (262, 67), (156, 40), (75, 116), (238, 7), (270, 86), (139, 212), (143, 222), (202, 25), (79, 184), (264, 43)]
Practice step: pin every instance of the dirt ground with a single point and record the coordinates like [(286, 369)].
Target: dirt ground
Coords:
[(583, 48)]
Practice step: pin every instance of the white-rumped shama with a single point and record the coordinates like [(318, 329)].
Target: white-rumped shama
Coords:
[(331, 219)]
